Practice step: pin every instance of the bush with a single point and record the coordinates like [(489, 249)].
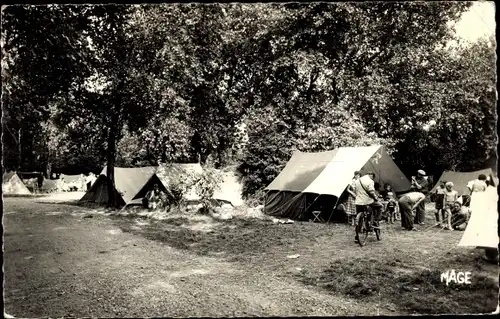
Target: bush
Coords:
[(256, 199), (206, 185), (178, 182)]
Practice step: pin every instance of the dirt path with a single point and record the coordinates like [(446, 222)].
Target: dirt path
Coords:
[(58, 263)]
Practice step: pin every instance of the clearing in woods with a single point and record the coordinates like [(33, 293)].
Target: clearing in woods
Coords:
[(62, 258)]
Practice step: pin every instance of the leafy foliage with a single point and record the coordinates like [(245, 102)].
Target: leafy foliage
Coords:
[(138, 85), (206, 185), (179, 182)]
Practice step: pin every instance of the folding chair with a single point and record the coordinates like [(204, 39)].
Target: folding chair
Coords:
[(317, 216), (351, 218)]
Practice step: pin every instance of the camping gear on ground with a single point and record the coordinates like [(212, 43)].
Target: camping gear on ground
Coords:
[(311, 180), (13, 185), (461, 179)]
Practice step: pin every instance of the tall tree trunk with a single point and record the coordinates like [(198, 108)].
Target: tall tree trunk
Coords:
[(19, 151), (48, 169), (110, 169)]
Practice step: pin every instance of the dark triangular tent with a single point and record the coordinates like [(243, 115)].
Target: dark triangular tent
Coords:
[(461, 179), (13, 185), (315, 181), (131, 184)]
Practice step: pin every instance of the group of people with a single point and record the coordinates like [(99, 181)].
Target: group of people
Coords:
[(451, 211)]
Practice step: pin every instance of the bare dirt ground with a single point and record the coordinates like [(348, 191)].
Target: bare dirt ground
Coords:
[(64, 260)]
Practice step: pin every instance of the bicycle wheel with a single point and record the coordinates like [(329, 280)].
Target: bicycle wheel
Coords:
[(362, 230)]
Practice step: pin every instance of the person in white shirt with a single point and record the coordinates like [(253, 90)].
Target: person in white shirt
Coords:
[(478, 185), (408, 203), (366, 198)]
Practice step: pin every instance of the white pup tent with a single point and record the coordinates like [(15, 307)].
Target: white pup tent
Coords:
[(230, 189), (131, 184), (482, 229), (315, 181), (70, 182), (13, 185)]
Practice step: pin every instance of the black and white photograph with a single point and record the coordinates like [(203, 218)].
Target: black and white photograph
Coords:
[(233, 159)]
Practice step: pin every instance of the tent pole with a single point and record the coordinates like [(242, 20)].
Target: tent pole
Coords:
[(333, 209)]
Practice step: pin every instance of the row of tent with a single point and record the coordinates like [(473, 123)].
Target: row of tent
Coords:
[(317, 181), (15, 184), (309, 181), (132, 184)]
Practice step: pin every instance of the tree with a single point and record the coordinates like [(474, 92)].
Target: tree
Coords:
[(336, 61), (462, 135), (33, 38)]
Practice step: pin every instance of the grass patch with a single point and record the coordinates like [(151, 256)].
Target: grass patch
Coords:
[(391, 273), (239, 237), (412, 291)]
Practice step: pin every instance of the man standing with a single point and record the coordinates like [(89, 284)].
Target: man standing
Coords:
[(420, 184), (365, 198)]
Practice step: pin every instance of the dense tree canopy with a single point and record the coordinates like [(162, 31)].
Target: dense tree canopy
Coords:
[(246, 84)]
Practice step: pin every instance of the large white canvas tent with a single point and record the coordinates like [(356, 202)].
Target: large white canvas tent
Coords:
[(13, 185), (461, 179), (315, 181), (482, 228)]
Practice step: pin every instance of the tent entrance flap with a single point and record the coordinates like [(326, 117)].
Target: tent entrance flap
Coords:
[(298, 206)]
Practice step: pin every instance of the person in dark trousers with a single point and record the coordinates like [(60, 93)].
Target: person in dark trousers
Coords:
[(408, 203), (420, 184)]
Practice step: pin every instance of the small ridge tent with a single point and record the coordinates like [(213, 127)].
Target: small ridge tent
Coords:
[(73, 181), (461, 179), (13, 185), (51, 185), (130, 184), (482, 230), (315, 181)]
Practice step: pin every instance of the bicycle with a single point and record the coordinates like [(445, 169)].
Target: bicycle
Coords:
[(365, 226)]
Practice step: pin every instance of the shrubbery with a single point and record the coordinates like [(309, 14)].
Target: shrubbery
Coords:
[(206, 185)]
